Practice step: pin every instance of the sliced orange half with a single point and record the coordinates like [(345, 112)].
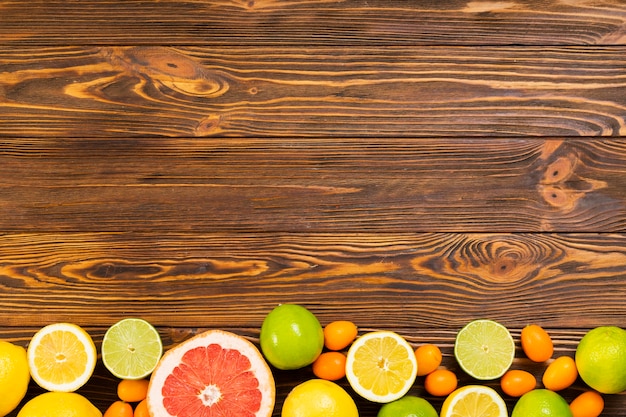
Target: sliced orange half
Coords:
[(61, 357), (381, 366)]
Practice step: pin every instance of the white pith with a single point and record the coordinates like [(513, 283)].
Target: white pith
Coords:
[(210, 395)]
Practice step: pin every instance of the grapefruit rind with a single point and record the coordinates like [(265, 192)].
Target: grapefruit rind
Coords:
[(173, 358)]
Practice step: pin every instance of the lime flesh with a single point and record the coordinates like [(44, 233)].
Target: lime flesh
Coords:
[(131, 348), (484, 349)]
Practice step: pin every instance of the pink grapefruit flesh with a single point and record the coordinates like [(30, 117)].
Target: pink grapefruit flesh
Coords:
[(213, 374)]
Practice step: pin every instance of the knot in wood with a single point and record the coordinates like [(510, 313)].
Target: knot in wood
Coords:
[(560, 197), (560, 170), (503, 262), (172, 69), (210, 125)]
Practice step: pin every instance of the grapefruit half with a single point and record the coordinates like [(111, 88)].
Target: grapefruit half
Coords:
[(215, 373)]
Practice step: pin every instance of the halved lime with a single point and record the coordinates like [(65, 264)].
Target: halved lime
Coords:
[(484, 349), (131, 348)]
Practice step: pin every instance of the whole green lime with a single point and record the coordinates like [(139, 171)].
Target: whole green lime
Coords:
[(541, 403), (291, 337), (408, 406), (601, 359)]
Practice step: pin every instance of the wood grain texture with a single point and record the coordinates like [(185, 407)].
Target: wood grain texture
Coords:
[(314, 22), (331, 92), (378, 280), (322, 185)]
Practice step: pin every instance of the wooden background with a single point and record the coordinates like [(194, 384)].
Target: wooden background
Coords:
[(406, 165)]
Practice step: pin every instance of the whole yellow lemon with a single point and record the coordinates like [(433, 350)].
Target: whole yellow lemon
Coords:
[(319, 398), (14, 376), (59, 404)]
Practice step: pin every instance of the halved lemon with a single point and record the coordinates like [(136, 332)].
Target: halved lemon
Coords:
[(381, 366), (61, 357), (474, 401), (484, 349)]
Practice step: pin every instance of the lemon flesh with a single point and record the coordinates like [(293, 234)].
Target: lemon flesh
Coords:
[(61, 357), (474, 401), (381, 366)]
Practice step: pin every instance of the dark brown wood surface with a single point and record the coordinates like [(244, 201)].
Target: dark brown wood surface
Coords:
[(409, 166), (320, 91), (322, 22), (314, 185)]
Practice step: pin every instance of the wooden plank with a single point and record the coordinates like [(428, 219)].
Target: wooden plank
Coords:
[(321, 185), (429, 280), (309, 22), (331, 92)]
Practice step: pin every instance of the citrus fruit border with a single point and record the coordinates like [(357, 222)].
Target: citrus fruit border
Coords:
[(342, 338)]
